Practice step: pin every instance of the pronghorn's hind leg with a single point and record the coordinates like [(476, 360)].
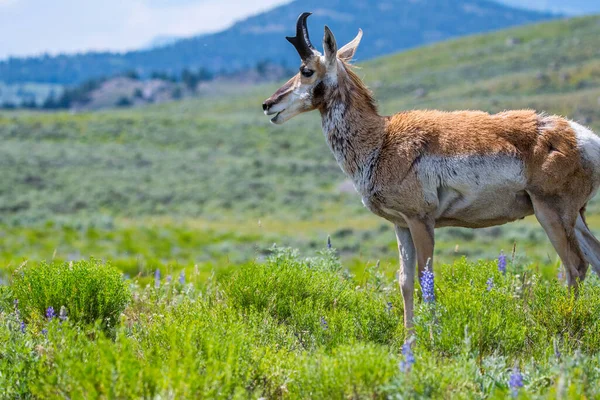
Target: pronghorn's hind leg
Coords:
[(559, 224), (590, 246)]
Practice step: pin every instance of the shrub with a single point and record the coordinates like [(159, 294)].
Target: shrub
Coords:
[(316, 300), (89, 291)]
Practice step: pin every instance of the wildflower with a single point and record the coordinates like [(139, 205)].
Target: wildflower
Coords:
[(16, 303), (23, 327), (557, 353), (157, 278), (427, 285), (502, 262), (389, 306), (44, 331), (409, 358), (62, 315), (516, 381), (490, 284), (328, 242), (182, 278), (324, 324), (50, 313), (169, 278)]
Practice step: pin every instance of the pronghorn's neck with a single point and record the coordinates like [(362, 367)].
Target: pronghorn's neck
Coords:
[(353, 128)]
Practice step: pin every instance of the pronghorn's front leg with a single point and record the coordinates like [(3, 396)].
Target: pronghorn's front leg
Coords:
[(406, 276), (417, 238), (421, 230)]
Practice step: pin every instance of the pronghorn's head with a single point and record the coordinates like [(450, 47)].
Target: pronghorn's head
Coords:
[(318, 74)]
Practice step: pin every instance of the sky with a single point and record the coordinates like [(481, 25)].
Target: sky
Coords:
[(33, 27)]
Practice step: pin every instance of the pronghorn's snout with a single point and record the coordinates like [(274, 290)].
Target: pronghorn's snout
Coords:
[(272, 106), (278, 103), (268, 104)]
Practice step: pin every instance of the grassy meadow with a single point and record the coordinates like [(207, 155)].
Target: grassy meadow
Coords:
[(210, 194)]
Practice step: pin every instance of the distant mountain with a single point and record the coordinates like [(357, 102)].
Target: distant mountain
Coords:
[(389, 26), (161, 41), (573, 7)]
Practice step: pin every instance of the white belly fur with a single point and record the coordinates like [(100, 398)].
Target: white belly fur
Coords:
[(474, 190)]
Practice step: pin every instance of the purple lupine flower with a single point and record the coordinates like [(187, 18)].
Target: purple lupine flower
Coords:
[(62, 315), (557, 353), (389, 306), (427, 286), (50, 313), (44, 331), (328, 242), (157, 278), (23, 327), (324, 324), (169, 278), (409, 358), (182, 278), (516, 381), (502, 262), (490, 284)]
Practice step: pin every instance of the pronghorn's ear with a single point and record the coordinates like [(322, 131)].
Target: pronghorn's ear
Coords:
[(347, 52), (329, 46)]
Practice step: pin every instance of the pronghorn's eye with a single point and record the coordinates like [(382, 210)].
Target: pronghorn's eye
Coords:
[(307, 73)]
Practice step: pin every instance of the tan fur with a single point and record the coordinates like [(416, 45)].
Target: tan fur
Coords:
[(546, 144)]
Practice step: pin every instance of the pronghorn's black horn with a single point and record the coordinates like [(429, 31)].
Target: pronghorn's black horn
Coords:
[(301, 41)]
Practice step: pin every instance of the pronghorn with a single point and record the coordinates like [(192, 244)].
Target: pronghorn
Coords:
[(426, 169)]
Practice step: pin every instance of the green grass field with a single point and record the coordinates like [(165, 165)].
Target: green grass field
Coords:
[(207, 186)]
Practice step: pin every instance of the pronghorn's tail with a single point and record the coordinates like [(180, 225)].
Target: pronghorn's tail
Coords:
[(590, 246), (588, 144)]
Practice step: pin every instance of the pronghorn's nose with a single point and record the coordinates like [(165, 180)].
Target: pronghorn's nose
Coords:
[(265, 106)]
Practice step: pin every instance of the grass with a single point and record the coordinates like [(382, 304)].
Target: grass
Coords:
[(295, 327)]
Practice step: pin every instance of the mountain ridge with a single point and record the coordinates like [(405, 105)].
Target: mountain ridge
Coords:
[(390, 26), (573, 7)]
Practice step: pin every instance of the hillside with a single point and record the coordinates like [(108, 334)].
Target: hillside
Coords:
[(389, 26), (215, 179)]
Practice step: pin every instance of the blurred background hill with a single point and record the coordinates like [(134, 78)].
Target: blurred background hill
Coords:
[(571, 7), (257, 42), (174, 160), (252, 50), (209, 178)]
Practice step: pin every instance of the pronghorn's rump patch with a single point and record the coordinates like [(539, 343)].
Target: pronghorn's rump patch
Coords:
[(589, 147)]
